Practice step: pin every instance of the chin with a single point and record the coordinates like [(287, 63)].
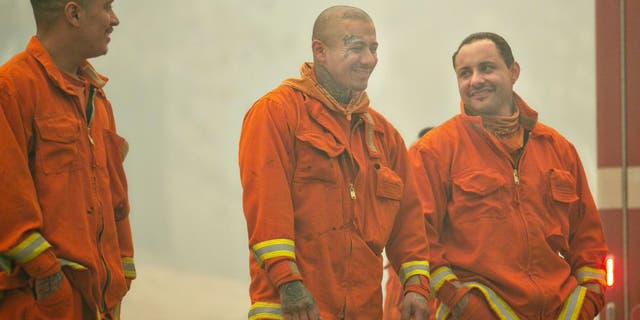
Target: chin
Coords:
[(360, 87)]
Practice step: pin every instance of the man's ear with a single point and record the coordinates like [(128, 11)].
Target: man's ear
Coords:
[(319, 50), (515, 72), (72, 13)]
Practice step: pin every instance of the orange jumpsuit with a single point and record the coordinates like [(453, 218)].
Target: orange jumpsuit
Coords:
[(63, 192), (525, 235), (323, 196)]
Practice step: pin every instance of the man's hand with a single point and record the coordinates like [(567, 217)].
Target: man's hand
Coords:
[(414, 306), (297, 302), (45, 287)]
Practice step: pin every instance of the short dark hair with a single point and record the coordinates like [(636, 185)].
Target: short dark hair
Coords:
[(499, 41), (424, 131), (45, 11)]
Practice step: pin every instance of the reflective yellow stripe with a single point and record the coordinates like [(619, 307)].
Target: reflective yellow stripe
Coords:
[(439, 277), (129, 268), (586, 274), (499, 306), (442, 312), (28, 249), (372, 146), (5, 265), (573, 304), (272, 249), (71, 264), (412, 268), (265, 310), (115, 312)]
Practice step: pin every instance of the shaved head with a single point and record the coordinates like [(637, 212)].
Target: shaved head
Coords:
[(325, 28), (46, 11)]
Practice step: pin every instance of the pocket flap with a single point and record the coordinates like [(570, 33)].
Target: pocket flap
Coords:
[(389, 184), (563, 186), (480, 182), (63, 129), (322, 141)]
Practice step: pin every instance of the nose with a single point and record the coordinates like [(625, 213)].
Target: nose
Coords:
[(114, 19), (477, 79), (369, 58)]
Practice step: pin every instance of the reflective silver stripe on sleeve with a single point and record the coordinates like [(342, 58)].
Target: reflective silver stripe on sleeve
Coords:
[(586, 274), (265, 310), (440, 276), (573, 304), (272, 249), (442, 312), (29, 248), (5, 265), (129, 268), (412, 268), (498, 305), (71, 264)]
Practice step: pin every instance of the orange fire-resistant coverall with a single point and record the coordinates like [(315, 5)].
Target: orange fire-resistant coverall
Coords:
[(524, 235), (63, 192), (323, 196)]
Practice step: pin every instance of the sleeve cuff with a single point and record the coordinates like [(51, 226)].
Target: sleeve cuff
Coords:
[(282, 271), (450, 294), (129, 268), (43, 265), (420, 287)]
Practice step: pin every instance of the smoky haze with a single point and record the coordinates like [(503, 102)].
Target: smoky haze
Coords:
[(183, 73)]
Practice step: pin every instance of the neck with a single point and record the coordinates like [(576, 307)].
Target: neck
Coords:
[(64, 54), (325, 79), (506, 111)]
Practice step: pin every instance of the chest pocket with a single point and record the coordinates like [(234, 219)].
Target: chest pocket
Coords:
[(562, 198), (478, 194), (57, 146), (316, 157)]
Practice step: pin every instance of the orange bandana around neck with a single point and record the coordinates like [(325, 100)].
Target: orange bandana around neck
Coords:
[(507, 129)]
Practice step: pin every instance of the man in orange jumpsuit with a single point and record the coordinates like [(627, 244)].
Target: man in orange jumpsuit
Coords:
[(393, 297), (327, 186), (513, 228), (65, 241)]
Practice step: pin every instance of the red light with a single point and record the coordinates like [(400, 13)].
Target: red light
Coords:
[(610, 271)]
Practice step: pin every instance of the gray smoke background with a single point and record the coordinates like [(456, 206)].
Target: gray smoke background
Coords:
[(183, 73)]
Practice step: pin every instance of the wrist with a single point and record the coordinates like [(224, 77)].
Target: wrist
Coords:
[(418, 284)]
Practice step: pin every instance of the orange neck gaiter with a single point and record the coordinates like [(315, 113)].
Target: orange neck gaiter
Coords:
[(507, 129), (307, 83)]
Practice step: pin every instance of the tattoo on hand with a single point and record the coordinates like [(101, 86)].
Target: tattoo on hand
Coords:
[(47, 286)]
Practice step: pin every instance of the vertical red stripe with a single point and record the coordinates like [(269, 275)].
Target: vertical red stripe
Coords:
[(633, 83), (608, 82)]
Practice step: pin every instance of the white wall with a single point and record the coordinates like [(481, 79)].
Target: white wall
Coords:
[(183, 73)]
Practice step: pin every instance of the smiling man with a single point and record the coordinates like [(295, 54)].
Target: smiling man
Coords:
[(65, 241), (513, 229), (327, 186)]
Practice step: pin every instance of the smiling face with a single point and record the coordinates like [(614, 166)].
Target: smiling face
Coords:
[(485, 82), (344, 51), (96, 27), (351, 57)]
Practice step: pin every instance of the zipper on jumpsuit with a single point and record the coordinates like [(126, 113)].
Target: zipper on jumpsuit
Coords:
[(516, 180), (89, 116), (352, 193)]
